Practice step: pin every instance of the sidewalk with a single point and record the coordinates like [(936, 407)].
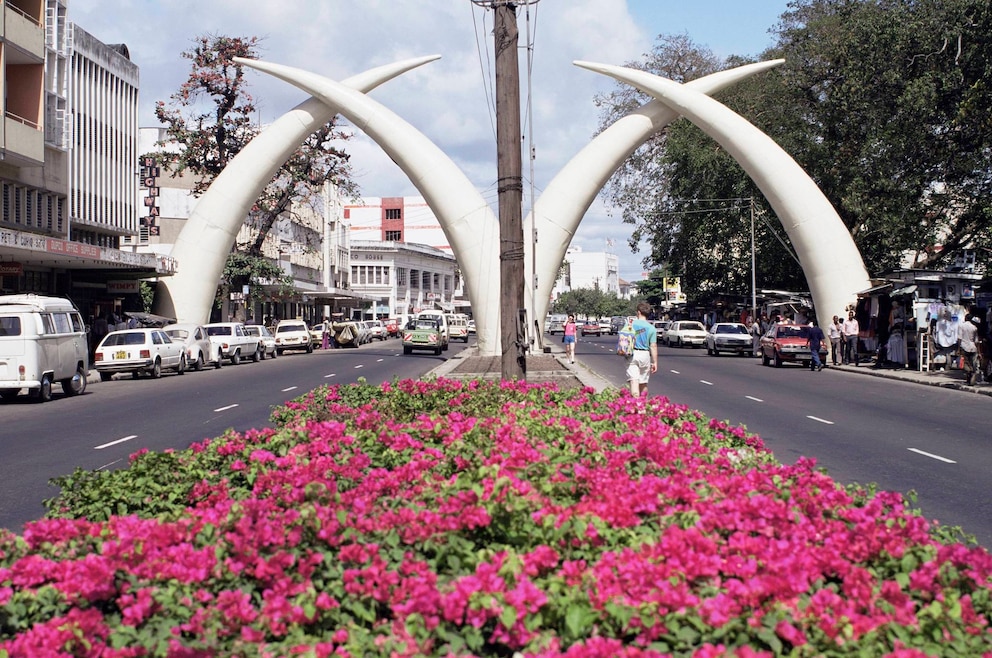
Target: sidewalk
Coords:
[(945, 378)]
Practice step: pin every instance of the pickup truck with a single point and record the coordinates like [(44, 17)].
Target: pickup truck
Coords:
[(423, 333), (235, 343)]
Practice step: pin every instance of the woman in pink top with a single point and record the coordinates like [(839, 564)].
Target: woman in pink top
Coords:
[(569, 338)]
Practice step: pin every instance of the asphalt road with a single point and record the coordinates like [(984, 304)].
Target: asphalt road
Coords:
[(114, 419), (904, 437)]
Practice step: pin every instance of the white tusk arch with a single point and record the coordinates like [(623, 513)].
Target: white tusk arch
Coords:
[(564, 202), (202, 247), (830, 260), (466, 219)]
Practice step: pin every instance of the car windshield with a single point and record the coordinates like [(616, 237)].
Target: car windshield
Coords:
[(181, 334), (426, 324), (793, 332), (692, 326), (731, 329)]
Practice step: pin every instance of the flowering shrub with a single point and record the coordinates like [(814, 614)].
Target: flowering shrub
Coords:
[(493, 519)]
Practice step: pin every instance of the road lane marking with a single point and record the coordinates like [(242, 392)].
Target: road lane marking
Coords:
[(230, 406), (820, 420), (379, 360), (330, 375), (287, 390), (932, 456), (359, 366), (675, 372), (113, 443), (703, 381), (751, 397)]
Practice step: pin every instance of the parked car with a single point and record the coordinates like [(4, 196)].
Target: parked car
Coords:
[(317, 332), (458, 327), (786, 341), (660, 327), (200, 350), (377, 330), (235, 343), (591, 328), (471, 326), (616, 324), (423, 333), (392, 327), (731, 337), (362, 329), (685, 332), (266, 341), (139, 351), (293, 335), (42, 341)]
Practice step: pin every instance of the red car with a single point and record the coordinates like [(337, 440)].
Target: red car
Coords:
[(591, 327), (392, 327), (787, 341)]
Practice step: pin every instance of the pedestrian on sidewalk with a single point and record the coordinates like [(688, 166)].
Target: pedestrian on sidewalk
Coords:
[(756, 333), (849, 333), (815, 342), (968, 346), (644, 361), (569, 337), (834, 332)]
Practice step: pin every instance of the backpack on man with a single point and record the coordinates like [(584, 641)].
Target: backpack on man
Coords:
[(625, 339)]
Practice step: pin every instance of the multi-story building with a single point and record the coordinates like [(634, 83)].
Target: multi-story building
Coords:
[(599, 270), (67, 161)]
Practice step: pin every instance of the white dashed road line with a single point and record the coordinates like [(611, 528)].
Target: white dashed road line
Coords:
[(932, 456), (230, 406), (675, 372), (821, 420), (330, 375), (703, 381), (751, 397), (113, 443), (286, 390)]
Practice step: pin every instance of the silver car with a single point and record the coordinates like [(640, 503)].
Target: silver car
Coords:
[(266, 341), (731, 337), (200, 350)]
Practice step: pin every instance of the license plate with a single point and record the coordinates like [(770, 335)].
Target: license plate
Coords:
[(120, 355)]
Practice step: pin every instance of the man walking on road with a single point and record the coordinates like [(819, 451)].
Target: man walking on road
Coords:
[(849, 332), (644, 361), (815, 341)]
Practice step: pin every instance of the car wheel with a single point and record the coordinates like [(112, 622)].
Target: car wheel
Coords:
[(219, 363), (407, 350), (437, 351), (309, 349), (236, 358), (198, 364), (44, 393), (181, 368), (255, 355), (445, 347), (278, 351), (75, 385), (156, 370), (274, 352), (679, 343), (106, 376), (778, 360), (764, 359)]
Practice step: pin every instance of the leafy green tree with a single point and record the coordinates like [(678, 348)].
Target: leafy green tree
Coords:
[(211, 118), (883, 102), (592, 302)]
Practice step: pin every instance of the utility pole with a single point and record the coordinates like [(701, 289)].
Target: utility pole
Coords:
[(510, 188)]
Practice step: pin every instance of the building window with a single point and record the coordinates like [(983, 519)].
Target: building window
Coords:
[(394, 236), (394, 213), (400, 276)]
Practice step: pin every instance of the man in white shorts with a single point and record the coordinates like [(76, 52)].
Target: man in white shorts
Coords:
[(644, 360)]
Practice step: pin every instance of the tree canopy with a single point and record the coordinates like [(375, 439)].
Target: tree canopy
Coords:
[(883, 102)]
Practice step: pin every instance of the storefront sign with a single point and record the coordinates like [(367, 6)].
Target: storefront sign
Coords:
[(11, 269), (54, 246), (122, 287)]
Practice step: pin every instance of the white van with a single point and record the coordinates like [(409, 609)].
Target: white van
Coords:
[(442, 318), (42, 341), (457, 326)]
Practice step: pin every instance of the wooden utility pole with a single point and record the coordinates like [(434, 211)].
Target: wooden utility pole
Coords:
[(510, 188), (513, 321)]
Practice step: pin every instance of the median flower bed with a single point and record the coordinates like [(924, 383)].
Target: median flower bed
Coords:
[(491, 519)]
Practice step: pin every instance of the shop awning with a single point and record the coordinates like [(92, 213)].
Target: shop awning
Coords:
[(899, 292), (875, 290)]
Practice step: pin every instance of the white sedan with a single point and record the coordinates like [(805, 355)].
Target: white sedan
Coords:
[(685, 332), (729, 337), (137, 351), (266, 341), (200, 350)]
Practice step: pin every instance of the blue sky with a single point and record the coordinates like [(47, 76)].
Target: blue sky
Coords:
[(448, 100)]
